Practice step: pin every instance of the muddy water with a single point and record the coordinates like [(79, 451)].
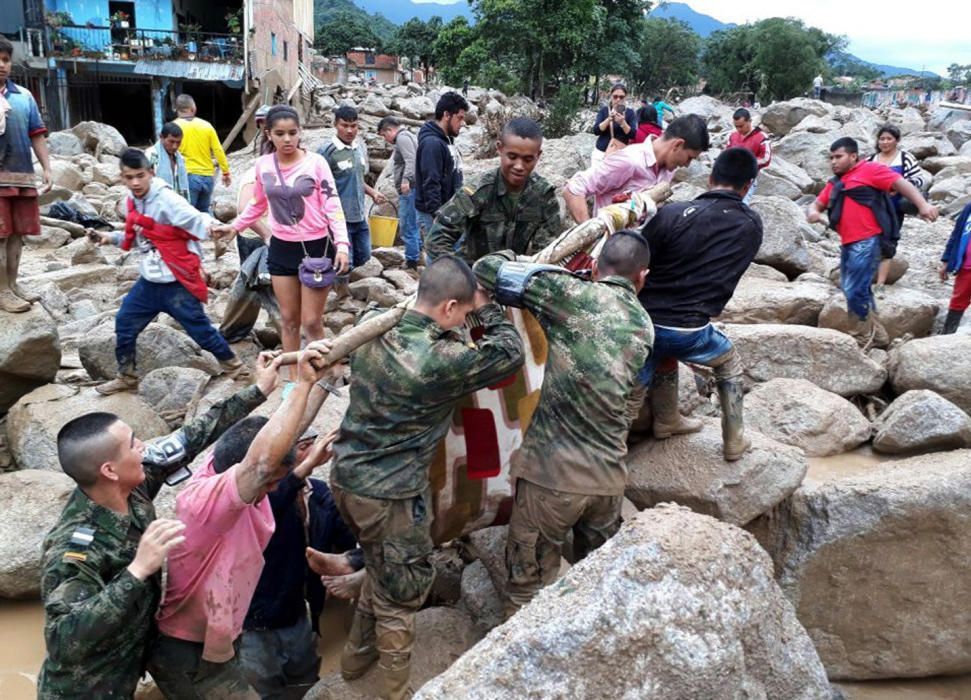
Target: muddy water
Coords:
[(859, 461)]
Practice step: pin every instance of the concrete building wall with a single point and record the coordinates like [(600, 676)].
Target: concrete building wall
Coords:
[(275, 45)]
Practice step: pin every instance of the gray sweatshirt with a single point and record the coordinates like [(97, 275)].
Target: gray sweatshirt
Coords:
[(405, 149)]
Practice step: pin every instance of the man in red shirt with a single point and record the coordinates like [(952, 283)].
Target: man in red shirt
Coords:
[(858, 228), (751, 138)]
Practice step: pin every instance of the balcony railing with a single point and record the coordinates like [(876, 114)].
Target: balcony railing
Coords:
[(131, 44)]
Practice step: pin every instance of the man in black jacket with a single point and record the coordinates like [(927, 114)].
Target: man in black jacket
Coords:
[(438, 166), (699, 251)]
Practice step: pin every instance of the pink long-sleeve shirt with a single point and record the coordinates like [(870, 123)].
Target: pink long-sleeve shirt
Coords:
[(307, 209), (630, 169)]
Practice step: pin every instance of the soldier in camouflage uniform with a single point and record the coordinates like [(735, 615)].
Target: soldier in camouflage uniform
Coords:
[(100, 578), (406, 385), (511, 208), (570, 472)]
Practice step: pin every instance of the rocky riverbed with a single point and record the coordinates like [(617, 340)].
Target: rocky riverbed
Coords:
[(782, 576)]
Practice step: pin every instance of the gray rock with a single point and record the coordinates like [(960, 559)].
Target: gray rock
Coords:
[(764, 301), (30, 353), (389, 257), (50, 237), (946, 189), (170, 389), (480, 597), (926, 145), (901, 311), (781, 117), (676, 605), (488, 545), (34, 421), (30, 505), (64, 143), (783, 243), (373, 104), (783, 179), (83, 251), (67, 175), (941, 363), (797, 412), (372, 268), (878, 566), (829, 359), (362, 288), (106, 173), (921, 421), (158, 346), (415, 107), (98, 138), (689, 470), (959, 133), (402, 280)]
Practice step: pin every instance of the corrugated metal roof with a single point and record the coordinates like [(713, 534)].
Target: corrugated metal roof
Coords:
[(191, 70)]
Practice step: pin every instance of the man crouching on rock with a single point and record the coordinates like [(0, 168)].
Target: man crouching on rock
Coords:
[(570, 472), (166, 230), (101, 579), (406, 385)]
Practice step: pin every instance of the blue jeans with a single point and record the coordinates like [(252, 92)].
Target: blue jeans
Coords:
[(145, 301), (200, 191), (408, 216), (360, 237), (274, 660), (697, 346), (751, 192), (858, 262)]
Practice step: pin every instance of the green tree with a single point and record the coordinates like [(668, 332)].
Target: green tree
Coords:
[(342, 32), (728, 60), (415, 39), (959, 74), (452, 40), (669, 55)]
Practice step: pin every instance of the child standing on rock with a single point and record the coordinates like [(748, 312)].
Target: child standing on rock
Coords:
[(166, 230), (956, 260)]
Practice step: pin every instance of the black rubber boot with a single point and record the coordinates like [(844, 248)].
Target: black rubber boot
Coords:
[(952, 321)]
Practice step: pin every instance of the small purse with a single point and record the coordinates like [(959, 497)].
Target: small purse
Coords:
[(615, 144), (314, 273)]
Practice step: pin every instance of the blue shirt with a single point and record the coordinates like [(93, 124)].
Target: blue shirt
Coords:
[(348, 164), (23, 123)]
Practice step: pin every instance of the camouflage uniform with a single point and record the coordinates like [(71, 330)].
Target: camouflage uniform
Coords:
[(570, 470), (491, 219), (99, 618), (406, 386)]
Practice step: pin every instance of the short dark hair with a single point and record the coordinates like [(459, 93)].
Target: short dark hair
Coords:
[(134, 158), (888, 129), (450, 102), (171, 129), (625, 253), (6, 46), (742, 113), (445, 279), (692, 129), (524, 128), (735, 168), (232, 446), (84, 443), (184, 102), (388, 123), (618, 86), (846, 143), (648, 114), (345, 113)]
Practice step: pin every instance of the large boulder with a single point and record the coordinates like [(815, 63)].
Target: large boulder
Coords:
[(783, 179), (66, 174), (443, 635), (480, 597), (809, 151), (172, 390), (64, 143), (34, 421), (926, 144), (676, 605), (941, 363), (415, 107), (878, 566), (158, 346), (829, 359), (768, 301), (902, 311), (959, 133), (783, 237), (30, 504), (30, 353), (797, 412), (921, 421), (781, 117), (690, 470), (909, 120), (373, 104), (98, 138)]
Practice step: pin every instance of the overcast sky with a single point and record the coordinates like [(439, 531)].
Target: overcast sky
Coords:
[(928, 34)]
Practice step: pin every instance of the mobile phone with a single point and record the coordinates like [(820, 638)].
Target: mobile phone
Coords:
[(178, 476), (620, 108)]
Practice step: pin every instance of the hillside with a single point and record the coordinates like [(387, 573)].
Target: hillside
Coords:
[(324, 10), (400, 11)]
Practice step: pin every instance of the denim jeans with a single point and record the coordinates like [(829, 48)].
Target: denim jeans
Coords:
[(699, 346), (360, 237), (858, 262), (145, 301), (751, 192), (276, 660), (408, 216), (200, 191)]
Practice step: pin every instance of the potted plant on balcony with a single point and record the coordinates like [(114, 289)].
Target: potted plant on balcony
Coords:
[(234, 21), (59, 19), (119, 19)]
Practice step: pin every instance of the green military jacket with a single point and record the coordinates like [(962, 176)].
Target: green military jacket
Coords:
[(405, 386), (599, 337), (99, 619), (491, 219)]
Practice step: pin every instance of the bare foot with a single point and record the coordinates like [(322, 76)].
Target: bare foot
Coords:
[(345, 587), (324, 564)]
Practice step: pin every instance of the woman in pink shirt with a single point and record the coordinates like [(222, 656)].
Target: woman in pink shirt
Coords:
[(306, 220)]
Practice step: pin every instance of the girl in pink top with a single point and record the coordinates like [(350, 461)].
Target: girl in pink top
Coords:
[(305, 219)]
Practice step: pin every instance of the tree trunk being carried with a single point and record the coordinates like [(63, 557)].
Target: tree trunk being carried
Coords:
[(580, 237)]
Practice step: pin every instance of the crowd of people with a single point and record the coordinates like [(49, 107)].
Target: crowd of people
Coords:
[(256, 540)]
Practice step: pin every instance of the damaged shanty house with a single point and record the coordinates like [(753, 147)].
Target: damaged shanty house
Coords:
[(123, 62)]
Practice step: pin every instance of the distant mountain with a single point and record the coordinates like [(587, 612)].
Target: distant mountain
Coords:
[(400, 11), (702, 25), (324, 10)]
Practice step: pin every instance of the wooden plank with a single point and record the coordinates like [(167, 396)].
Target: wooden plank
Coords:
[(955, 105), (241, 122)]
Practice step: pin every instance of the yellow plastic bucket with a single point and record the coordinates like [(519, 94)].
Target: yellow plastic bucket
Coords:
[(384, 229)]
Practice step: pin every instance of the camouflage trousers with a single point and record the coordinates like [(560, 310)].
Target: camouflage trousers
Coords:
[(540, 521), (395, 535), (180, 672)]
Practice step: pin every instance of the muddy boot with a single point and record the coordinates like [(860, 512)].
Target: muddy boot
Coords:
[(23, 293), (125, 381), (728, 377), (233, 368), (668, 420), (395, 670), (868, 332), (360, 649), (952, 321), (11, 303)]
